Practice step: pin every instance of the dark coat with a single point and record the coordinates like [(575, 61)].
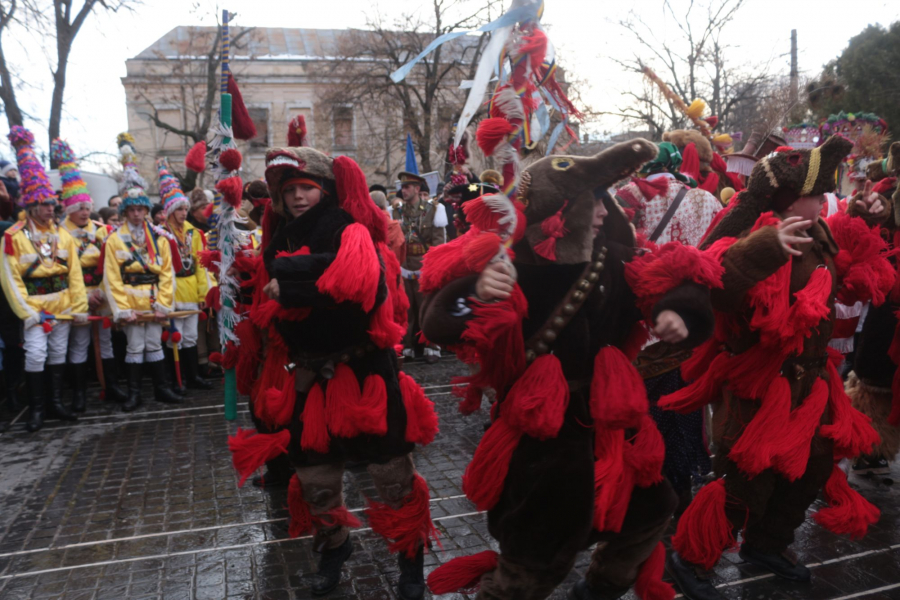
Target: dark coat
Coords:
[(546, 508), (330, 328)]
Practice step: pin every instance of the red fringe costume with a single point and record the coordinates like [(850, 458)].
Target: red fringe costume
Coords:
[(781, 418), (571, 456), (319, 362), (874, 384)]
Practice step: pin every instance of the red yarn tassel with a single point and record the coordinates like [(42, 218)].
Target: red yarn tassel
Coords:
[(315, 433), (554, 227), (538, 400), (491, 133), (472, 398), (249, 452), (383, 328), (757, 445), (649, 584), (613, 480), (354, 274), (406, 528), (485, 475), (690, 161), (462, 574), (848, 512), (646, 454), (353, 191), (196, 157), (704, 531), (618, 395), (793, 451), (279, 403), (297, 132), (421, 420), (241, 124), (301, 519), (371, 413), (481, 250), (231, 189), (342, 395), (850, 429)]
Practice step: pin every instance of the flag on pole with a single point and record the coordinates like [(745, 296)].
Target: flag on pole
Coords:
[(411, 166)]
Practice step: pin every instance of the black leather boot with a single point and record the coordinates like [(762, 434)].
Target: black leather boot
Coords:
[(162, 391), (79, 387), (169, 361), (329, 574), (37, 397), (779, 564), (114, 392), (135, 371), (411, 585), (582, 591), (191, 370), (55, 406), (692, 585)]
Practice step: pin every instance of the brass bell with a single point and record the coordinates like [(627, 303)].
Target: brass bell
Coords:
[(568, 309), (593, 277), (583, 285), (550, 335), (578, 296), (598, 266), (558, 321), (530, 356), (345, 357), (541, 347)]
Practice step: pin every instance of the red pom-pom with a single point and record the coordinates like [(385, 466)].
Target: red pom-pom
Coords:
[(165, 336), (47, 326), (491, 132), (231, 190), (107, 322), (176, 337), (231, 159), (202, 316), (196, 157)]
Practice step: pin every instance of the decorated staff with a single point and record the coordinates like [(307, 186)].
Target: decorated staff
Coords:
[(40, 272), (89, 238)]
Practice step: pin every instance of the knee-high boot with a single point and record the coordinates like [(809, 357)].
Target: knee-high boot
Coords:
[(192, 377), (37, 399), (161, 389), (135, 371), (79, 387), (114, 392), (55, 406)]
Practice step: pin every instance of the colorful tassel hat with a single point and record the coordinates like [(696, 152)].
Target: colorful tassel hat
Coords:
[(75, 195), (35, 188), (169, 189), (132, 187)]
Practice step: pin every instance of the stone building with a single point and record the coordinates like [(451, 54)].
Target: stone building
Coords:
[(281, 73)]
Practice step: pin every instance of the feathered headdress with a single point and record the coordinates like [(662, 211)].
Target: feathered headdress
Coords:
[(35, 187), (133, 186), (169, 189)]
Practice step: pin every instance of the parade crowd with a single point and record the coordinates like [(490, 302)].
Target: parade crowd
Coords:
[(602, 304)]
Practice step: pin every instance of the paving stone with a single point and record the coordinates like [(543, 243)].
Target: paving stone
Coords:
[(150, 473)]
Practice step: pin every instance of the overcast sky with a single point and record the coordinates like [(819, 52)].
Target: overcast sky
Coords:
[(585, 32)]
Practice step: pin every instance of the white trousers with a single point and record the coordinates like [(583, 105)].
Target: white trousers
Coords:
[(46, 348), (144, 342), (188, 329), (80, 339)]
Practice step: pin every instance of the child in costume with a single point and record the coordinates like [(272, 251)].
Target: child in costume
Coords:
[(571, 456), (192, 280), (781, 417), (330, 390), (42, 279), (89, 238), (137, 279)]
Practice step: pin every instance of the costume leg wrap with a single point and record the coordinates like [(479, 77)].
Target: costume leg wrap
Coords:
[(316, 494), (404, 518)]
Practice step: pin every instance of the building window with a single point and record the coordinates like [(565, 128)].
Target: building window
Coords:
[(166, 141), (260, 118), (342, 122)]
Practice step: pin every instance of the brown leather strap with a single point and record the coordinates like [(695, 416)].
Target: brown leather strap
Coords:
[(669, 214)]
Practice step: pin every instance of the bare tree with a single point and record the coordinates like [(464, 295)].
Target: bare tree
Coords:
[(191, 82), (701, 64), (7, 85), (429, 100)]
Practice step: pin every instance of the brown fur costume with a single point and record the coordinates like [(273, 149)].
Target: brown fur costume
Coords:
[(875, 402), (683, 137)]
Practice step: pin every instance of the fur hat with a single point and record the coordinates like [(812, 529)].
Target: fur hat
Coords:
[(682, 137), (35, 188), (75, 195), (169, 189), (199, 199), (562, 188), (132, 187), (340, 176), (784, 175), (493, 177), (6, 167)]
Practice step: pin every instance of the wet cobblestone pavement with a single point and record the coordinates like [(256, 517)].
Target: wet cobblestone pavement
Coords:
[(146, 505)]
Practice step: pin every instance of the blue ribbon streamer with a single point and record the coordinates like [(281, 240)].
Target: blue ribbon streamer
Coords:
[(522, 13)]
